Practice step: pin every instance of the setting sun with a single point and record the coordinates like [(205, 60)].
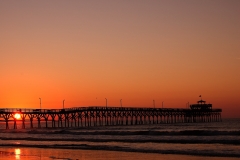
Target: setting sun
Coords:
[(17, 116)]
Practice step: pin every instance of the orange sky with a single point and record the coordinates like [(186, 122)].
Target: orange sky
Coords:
[(137, 51)]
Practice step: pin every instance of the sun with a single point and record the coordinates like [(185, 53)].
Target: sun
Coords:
[(17, 116)]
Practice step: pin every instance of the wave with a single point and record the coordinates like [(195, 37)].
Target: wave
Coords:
[(128, 132), (196, 136), (157, 133), (185, 140)]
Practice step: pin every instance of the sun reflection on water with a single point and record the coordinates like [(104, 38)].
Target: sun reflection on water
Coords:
[(17, 153)]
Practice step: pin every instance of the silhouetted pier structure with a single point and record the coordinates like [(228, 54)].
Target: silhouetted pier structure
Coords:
[(104, 116)]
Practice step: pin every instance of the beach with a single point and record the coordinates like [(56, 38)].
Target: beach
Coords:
[(11, 153)]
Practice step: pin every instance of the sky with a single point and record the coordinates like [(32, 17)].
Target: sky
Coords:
[(85, 52)]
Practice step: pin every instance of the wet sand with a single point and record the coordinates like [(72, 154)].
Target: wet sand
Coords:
[(12, 153)]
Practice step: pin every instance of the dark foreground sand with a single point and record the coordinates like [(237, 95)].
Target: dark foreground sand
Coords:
[(11, 153)]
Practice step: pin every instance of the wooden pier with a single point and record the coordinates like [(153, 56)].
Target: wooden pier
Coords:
[(105, 116)]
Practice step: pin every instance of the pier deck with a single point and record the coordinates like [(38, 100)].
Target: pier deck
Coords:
[(103, 116)]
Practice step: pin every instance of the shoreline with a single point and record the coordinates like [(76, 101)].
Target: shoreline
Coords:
[(30, 153), (84, 147)]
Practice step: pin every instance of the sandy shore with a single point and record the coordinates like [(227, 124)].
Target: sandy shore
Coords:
[(11, 153)]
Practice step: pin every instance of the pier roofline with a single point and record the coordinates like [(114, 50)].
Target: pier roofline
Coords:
[(201, 106)]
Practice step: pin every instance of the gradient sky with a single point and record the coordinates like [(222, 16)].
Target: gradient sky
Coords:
[(137, 51)]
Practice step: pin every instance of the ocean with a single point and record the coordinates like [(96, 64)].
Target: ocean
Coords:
[(155, 141)]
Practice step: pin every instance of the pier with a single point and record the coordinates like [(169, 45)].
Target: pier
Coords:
[(106, 116)]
